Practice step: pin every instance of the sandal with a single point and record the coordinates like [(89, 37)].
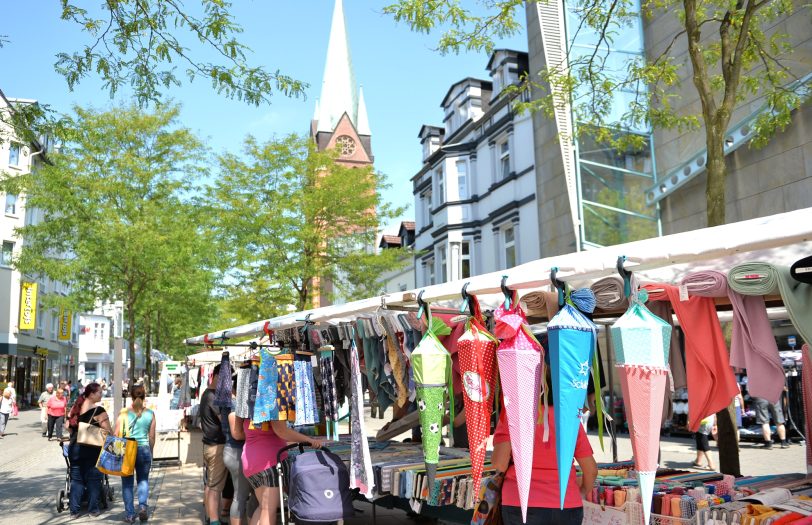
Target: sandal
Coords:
[(697, 465)]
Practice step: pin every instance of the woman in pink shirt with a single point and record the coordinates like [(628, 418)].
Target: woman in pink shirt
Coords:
[(543, 505), (56, 413), (259, 462)]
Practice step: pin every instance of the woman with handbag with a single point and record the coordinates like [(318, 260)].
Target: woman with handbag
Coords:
[(56, 406), (140, 424), (89, 425), (6, 404)]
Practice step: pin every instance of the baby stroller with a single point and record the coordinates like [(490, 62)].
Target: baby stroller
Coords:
[(63, 497), (315, 484)]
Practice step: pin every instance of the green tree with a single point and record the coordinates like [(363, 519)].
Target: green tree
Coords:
[(291, 219), (117, 223)]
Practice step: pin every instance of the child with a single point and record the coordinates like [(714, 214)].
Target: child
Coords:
[(702, 445)]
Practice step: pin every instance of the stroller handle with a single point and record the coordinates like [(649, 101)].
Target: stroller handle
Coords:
[(301, 446)]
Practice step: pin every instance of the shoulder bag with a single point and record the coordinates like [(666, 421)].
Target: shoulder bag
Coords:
[(90, 434)]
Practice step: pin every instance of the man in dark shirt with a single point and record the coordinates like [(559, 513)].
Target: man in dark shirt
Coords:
[(213, 443)]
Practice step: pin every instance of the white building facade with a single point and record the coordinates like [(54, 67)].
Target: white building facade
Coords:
[(475, 196), (95, 350)]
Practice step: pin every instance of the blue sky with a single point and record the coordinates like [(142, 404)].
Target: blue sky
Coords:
[(404, 78)]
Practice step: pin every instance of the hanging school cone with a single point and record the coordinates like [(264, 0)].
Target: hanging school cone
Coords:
[(477, 359), (431, 364), (642, 342), (572, 339), (519, 356)]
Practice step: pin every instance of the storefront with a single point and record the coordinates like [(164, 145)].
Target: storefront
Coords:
[(30, 370)]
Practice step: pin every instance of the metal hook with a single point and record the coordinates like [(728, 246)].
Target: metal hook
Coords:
[(506, 291), (421, 304), (559, 285), (466, 300), (625, 274)]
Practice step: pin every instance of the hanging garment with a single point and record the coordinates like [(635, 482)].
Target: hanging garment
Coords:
[(432, 377), (265, 403), (711, 382), (222, 394), (373, 363), (395, 359), (519, 356), (286, 388), (572, 338), (328, 393), (306, 412), (185, 399), (752, 346), (361, 475), (797, 296), (806, 378), (241, 400), (253, 384), (477, 358)]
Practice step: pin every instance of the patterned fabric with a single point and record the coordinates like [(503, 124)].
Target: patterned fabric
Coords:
[(519, 356), (361, 475), (806, 386), (306, 412), (253, 384), (266, 407), (222, 396), (328, 393), (286, 388), (241, 401), (396, 367)]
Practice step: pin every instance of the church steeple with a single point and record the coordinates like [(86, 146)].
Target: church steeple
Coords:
[(338, 89), (362, 121)]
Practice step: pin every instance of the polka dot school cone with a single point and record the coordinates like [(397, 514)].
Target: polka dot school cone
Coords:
[(476, 350), (519, 357), (572, 340), (431, 364)]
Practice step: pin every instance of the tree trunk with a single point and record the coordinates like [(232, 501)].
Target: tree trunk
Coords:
[(131, 340), (717, 173), (728, 441), (148, 350)]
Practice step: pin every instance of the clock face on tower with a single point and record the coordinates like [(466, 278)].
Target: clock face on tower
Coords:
[(345, 145)]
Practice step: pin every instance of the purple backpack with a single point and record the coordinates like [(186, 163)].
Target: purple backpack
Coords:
[(319, 488)]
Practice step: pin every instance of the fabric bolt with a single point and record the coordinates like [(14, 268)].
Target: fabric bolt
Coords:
[(797, 296), (265, 404), (306, 412), (286, 388), (710, 378), (222, 394), (806, 385), (361, 475), (541, 303), (752, 346), (609, 294), (519, 357), (477, 358), (241, 400)]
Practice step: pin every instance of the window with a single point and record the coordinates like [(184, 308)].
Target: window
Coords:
[(8, 252), (11, 204), (443, 252), (439, 179), (425, 208), (465, 260), (14, 154), (98, 330), (462, 179), (429, 271), (54, 325), (504, 159), (509, 246), (40, 320)]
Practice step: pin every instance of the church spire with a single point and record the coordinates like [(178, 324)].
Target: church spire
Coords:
[(338, 93), (362, 122)]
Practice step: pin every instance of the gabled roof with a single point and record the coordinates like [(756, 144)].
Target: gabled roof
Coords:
[(484, 84), (518, 54), (390, 241), (430, 131)]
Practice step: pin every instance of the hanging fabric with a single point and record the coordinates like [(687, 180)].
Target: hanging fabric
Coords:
[(306, 410), (396, 360), (806, 383), (752, 346), (519, 356), (286, 388), (265, 403), (361, 475), (676, 363), (766, 279), (642, 342), (477, 358), (572, 338), (432, 377), (241, 400), (222, 395), (328, 393), (710, 379)]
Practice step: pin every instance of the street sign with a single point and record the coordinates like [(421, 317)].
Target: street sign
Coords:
[(792, 341)]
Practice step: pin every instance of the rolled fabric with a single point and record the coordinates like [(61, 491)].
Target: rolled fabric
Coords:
[(806, 383), (797, 296), (710, 378), (609, 294), (541, 303), (752, 345)]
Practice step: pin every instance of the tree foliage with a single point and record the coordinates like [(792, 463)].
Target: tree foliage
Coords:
[(114, 217), (735, 55), (292, 219)]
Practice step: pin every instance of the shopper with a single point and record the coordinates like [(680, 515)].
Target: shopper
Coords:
[(56, 414), (174, 404), (764, 411), (83, 472), (139, 422), (6, 404), (543, 505), (702, 443), (213, 444), (259, 463), (43, 407), (232, 457), (13, 395)]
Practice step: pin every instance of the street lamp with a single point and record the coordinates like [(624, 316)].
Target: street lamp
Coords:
[(116, 312)]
